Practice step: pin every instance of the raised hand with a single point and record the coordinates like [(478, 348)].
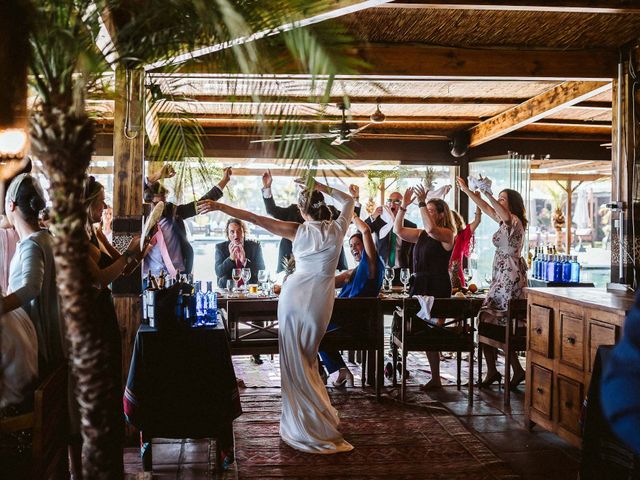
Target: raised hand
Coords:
[(462, 184), (167, 171), (354, 191), (377, 212), (226, 175), (408, 197), (267, 179), (421, 193), (206, 206)]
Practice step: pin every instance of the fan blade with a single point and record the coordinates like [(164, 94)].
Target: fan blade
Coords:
[(353, 133), (290, 138)]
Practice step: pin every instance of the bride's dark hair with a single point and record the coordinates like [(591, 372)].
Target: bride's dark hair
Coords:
[(311, 202)]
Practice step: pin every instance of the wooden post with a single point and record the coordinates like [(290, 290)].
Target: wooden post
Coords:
[(569, 191), (128, 156)]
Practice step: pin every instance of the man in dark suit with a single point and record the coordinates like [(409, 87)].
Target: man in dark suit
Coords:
[(237, 252), (174, 247), (393, 251), (292, 214)]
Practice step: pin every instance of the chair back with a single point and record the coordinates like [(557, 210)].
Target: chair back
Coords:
[(50, 423), (253, 326), (356, 324)]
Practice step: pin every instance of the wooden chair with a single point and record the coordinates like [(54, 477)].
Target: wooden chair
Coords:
[(252, 326), (358, 327), (49, 422), (456, 335), (508, 339)]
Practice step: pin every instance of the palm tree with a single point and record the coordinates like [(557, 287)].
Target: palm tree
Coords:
[(65, 65)]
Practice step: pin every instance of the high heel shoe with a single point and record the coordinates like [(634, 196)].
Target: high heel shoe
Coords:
[(347, 380), (516, 380), (490, 380)]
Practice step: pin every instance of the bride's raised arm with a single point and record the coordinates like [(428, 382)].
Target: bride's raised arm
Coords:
[(347, 201), (277, 227)]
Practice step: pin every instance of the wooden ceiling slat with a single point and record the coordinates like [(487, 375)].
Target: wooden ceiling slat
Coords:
[(537, 108), (560, 6)]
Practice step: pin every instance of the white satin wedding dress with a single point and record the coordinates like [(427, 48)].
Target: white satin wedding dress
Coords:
[(309, 423)]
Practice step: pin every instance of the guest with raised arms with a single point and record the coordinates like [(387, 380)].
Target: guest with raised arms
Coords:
[(431, 253), (462, 246), (171, 249), (308, 423), (364, 280), (291, 213), (509, 268), (394, 252)]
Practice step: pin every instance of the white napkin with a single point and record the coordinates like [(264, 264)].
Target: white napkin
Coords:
[(438, 193), (426, 302), (482, 183), (389, 219)]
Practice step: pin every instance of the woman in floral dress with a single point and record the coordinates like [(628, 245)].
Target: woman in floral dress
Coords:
[(509, 276)]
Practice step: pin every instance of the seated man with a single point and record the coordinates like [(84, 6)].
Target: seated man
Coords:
[(238, 252), (363, 281), (171, 249), (291, 213)]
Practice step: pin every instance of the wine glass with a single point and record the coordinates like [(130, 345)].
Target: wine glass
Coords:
[(488, 278), (246, 276), (236, 275), (468, 275), (405, 274), (389, 275), (262, 279)]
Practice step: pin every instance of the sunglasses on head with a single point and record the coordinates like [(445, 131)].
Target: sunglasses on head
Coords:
[(397, 202)]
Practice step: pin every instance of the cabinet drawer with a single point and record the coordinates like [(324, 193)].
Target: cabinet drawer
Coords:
[(600, 334), (540, 328), (541, 385), (572, 340), (569, 404)]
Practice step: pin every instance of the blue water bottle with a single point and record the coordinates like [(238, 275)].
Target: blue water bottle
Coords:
[(201, 304), (212, 306), (566, 270), (550, 268), (575, 270)]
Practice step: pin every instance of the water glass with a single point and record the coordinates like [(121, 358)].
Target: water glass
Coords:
[(389, 275), (405, 275), (468, 275), (236, 275), (246, 276), (262, 279)]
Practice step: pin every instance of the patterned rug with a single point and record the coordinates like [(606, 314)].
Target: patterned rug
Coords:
[(391, 440)]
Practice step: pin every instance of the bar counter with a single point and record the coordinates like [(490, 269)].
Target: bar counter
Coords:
[(565, 328)]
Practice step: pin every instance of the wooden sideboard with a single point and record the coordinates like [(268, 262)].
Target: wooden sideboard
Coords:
[(565, 328)]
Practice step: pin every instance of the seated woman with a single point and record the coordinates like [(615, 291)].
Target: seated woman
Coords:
[(363, 281)]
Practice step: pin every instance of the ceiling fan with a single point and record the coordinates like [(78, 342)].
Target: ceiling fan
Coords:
[(341, 133)]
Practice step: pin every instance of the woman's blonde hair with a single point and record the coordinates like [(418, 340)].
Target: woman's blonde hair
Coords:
[(446, 221)]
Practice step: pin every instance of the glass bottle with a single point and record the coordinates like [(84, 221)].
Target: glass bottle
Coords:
[(557, 268), (566, 270), (550, 268), (212, 306), (201, 304), (534, 264), (575, 270)]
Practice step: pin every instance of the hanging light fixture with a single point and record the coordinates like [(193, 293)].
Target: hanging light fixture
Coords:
[(14, 58)]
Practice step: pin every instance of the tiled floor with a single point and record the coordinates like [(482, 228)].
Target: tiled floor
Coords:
[(533, 455)]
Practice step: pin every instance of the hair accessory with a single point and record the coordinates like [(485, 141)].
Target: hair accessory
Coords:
[(318, 204), (14, 186)]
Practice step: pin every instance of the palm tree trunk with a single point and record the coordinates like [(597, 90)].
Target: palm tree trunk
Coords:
[(64, 140)]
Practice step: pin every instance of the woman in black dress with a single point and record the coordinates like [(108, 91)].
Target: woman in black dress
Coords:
[(431, 255), (105, 264)]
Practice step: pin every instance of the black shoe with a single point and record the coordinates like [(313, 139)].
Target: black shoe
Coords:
[(256, 359)]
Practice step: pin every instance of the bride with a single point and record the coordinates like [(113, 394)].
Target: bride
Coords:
[(309, 423)]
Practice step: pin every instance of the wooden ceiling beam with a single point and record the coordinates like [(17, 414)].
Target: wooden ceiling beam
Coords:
[(534, 109), (577, 177), (556, 6), (311, 16), (413, 61)]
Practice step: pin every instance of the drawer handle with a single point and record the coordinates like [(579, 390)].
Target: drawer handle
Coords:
[(539, 331), (571, 340), (539, 390)]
